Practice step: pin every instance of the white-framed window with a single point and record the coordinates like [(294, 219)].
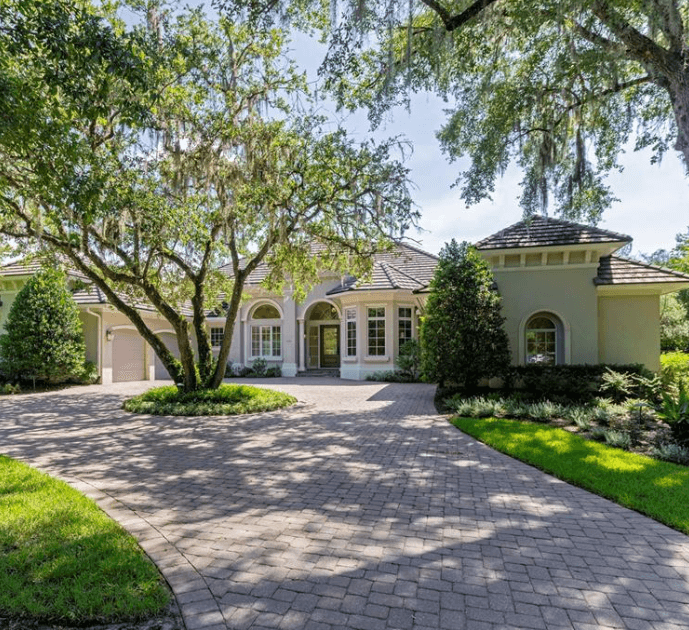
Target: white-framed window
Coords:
[(404, 324), (376, 331), (266, 335), (217, 334), (266, 341), (541, 340), (350, 319)]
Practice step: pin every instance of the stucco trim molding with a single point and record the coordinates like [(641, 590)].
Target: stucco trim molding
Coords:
[(566, 333)]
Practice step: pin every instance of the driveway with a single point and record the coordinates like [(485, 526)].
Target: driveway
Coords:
[(359, 508)]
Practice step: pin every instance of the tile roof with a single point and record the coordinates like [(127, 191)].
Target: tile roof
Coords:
[(405, 267), (543, 231), (614, 270)]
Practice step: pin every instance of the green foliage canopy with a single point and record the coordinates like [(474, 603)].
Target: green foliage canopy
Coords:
[(462, 335), (557, 86), (150, 156), (43, 339)]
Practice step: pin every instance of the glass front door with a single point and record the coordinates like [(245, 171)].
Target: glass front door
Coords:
[(330, 346)]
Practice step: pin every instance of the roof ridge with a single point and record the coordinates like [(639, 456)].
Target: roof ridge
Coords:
[(384, 266), (406, 275)]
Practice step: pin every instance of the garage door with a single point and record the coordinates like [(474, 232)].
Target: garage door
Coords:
[(128, 357), (170, 340)]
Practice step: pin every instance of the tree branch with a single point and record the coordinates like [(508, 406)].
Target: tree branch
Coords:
[(453, 22)]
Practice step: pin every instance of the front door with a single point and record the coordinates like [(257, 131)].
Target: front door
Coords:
[(330, 346)]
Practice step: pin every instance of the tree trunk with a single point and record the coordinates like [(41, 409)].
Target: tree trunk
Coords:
[(232, 311), (202, 338), (679, 97)]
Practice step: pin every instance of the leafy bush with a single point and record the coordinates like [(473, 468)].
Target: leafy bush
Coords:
[(579, 416), (226, 400), (672, 453), (675, 411), (274, 371), (544, 411), (8, 389), (674, 324), (389, 376), (44, 339), (674, 367), (409, 359), (619, 385), (259, 367), (230, 372), (88, 374), (618, 439)]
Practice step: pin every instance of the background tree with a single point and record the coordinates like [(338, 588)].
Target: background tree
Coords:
[(462, 335), (43, 339), (674, 324), (559, 86), (176, 147)]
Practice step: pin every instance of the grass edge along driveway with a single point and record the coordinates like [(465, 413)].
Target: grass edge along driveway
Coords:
[(62, 559), (655, 488)]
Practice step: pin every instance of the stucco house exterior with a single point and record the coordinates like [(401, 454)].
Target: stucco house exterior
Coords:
[(567, 298)]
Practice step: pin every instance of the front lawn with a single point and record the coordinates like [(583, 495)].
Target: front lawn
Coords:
[(62, 560), (227, 400), (656, 488)]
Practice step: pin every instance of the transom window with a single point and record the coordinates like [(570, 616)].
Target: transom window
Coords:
[(404, 326), (376, 331), (266, 311), (216, 336), (350, 317), (541, 340), (323, 310)]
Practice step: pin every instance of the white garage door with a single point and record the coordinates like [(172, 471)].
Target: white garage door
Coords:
[(170, 340), (128, 357)]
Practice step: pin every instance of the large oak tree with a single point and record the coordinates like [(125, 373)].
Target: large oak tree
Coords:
[(148, 156), (559, 86)]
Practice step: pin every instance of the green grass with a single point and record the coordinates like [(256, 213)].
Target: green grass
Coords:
[(63, 560), (227, 400), (655, 488)]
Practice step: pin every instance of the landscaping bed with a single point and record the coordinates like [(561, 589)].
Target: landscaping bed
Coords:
[(227, 400)]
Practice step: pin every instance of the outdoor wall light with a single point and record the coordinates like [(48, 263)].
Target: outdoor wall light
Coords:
[(108, 334)]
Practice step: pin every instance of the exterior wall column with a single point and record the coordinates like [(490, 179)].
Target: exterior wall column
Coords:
[(301, 343), (290, 335)]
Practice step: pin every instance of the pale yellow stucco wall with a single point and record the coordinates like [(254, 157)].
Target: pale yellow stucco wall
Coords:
[(568, 293), (629, 330)]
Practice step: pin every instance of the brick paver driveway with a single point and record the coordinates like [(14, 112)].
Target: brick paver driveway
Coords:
[(361, 508)]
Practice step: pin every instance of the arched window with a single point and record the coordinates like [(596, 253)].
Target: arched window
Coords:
[(544, 339), (266, 337), (266, 311), (323, 311)]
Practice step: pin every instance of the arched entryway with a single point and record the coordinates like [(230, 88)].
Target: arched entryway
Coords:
[(322, 336)]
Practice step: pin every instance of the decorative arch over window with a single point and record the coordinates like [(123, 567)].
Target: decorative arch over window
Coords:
[(544, 339)]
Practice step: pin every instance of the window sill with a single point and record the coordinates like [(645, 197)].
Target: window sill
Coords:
[(377, 359), (349, 359)]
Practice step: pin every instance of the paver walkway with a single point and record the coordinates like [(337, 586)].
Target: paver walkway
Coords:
[(361, 508)]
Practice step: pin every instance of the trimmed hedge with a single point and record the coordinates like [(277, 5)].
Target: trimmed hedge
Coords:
[(577, 383)]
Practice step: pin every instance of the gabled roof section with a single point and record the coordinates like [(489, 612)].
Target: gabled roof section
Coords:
[(614, 270), (405, 267), (544, 231)]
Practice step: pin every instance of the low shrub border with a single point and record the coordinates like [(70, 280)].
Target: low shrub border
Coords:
[(655, 488), (227, 400), (63, 560)]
